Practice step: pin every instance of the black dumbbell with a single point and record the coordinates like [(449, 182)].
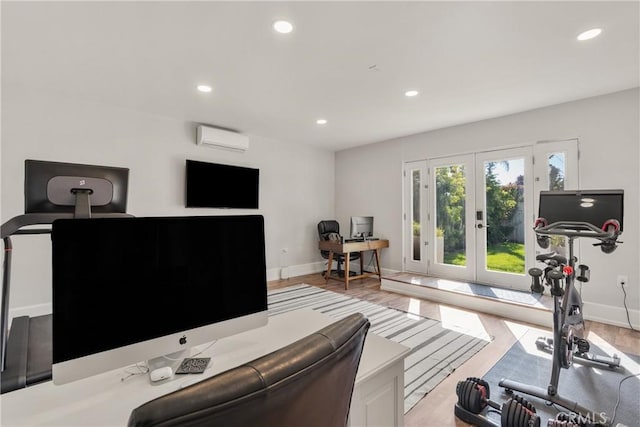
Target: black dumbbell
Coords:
[(517, 412), (474, 396), (554, 277), (583, 273), (536, 282)]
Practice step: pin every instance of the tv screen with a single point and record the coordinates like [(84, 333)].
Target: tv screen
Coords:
[(127, 289), (592, 206), (213, 185)]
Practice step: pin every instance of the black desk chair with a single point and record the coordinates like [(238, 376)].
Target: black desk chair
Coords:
[(308, 383), (330, 230)]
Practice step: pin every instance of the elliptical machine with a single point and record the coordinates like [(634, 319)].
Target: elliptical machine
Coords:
[(589, 208)]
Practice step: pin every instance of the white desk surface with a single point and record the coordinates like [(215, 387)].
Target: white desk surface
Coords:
[(107, 400)]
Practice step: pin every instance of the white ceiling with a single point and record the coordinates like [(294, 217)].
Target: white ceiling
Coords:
[(348, 62)]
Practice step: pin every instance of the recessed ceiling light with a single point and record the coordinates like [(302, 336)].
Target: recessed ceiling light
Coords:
[(321, 121), (284, 27), (411, 93), (588, 35), (204, 88)]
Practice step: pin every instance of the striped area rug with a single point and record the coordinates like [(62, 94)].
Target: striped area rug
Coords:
[(435, 351)]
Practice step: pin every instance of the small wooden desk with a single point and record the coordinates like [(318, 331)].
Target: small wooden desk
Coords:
[(336, 247)]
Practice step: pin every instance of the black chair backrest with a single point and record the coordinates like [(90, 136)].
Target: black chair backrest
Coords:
[(308, 383), (328, 230), (327, 227)]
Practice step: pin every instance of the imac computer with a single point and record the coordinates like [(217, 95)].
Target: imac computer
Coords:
[(127, 290), (361, 227)]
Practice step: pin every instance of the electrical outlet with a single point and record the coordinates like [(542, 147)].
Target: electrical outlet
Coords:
[(622, 281)]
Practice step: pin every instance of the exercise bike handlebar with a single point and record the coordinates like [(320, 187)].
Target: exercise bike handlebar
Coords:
[(609, 231)]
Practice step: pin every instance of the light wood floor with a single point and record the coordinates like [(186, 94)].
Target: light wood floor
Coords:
[(436, 409)]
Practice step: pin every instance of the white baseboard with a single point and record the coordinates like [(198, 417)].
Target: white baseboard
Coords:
[(521, 313), (610, 315), (311, 268), (606, 314), (294, 270), (302, 269), (30, 310), (389, 272)]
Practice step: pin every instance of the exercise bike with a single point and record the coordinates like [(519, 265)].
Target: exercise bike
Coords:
[(560, 275), (574, 346)]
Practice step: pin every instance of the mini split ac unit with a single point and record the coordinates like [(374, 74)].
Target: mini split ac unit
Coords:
[(219, 138)]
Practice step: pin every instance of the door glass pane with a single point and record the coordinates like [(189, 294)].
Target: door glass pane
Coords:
[(556, 167), (450, 215), (416, 179), (504, 192)]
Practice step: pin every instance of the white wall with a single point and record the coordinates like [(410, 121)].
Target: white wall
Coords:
[(608, 131), (296, 182)]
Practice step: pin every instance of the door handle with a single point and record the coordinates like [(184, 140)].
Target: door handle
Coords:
[(479, 225)]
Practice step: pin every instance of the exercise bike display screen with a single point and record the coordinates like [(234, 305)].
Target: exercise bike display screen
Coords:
[(592, 206)]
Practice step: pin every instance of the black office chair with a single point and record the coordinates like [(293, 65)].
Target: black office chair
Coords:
[(308, 383), (330, 230)]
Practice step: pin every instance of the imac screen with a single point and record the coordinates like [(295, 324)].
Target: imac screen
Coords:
[(592, 206), (139, 285), (361, 226)]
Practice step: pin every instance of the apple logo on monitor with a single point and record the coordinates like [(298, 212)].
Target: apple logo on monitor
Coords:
[(183, 340)]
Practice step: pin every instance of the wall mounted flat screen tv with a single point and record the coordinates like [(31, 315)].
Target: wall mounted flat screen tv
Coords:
[(213, 185)]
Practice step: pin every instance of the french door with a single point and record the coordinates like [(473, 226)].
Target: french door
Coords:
[(471, 217), (415, 178), (451, 225), (504, 217), (555, 168)]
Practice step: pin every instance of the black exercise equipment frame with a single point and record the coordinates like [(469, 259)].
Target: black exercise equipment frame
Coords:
[(572, 319), (15, 349)]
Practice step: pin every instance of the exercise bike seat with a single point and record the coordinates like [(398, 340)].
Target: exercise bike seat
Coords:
[(551, 256)]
